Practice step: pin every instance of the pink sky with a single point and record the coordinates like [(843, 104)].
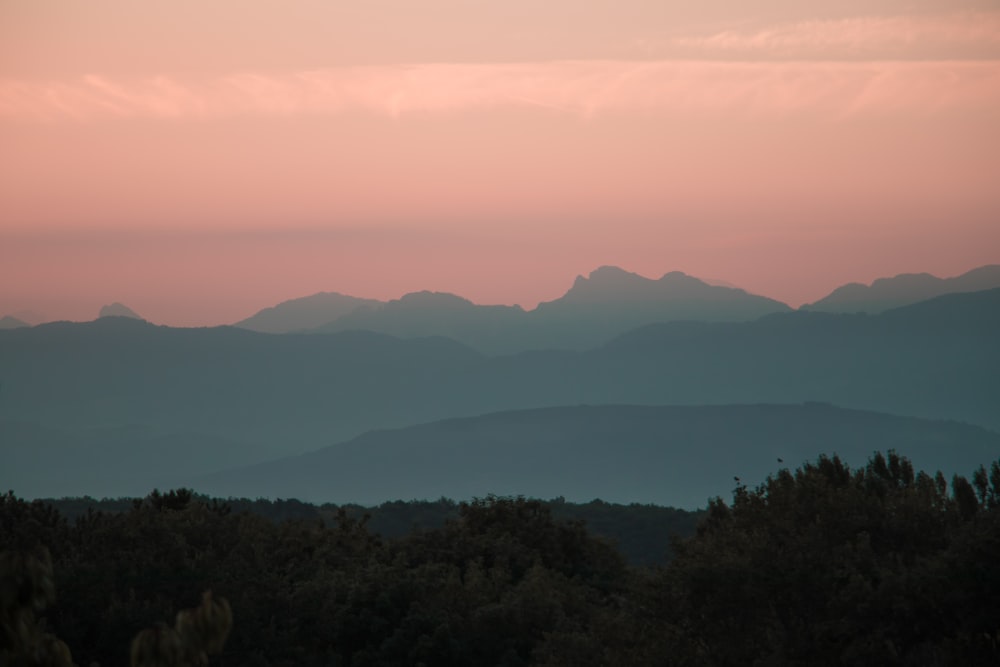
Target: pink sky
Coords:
[(199, 161)]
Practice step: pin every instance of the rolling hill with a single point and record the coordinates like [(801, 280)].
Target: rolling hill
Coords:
[(673, 456)]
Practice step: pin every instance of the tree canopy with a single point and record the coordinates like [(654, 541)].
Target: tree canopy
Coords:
[(820, 565)]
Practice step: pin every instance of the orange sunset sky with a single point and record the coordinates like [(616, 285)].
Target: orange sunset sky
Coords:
[(199, 160)]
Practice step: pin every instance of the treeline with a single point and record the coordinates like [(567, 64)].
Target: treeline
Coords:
[(642, 533), (824, 565)]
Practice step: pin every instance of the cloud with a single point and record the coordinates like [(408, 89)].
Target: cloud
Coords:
[(969, 35), (826, 89)]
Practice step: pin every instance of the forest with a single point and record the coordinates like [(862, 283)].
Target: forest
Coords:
[(820, 565)]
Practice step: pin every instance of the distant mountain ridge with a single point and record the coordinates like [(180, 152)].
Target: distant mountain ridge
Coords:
[(306, 313), (117, 309), (263, 396), (610, 284), (612, 301), (421, 314), (596, 308), (669, 455), (903, 289), (11, 322)]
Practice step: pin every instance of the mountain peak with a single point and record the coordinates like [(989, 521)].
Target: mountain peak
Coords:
[(117, 309), (607, 283), (609, 272), (11, 322), (611, 298), (428, 299)]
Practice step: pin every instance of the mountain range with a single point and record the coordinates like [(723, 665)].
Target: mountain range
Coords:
[(240, 397), (607, 303), (904, 289)]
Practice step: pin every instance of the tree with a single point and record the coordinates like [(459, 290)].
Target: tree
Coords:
[(829, 565)]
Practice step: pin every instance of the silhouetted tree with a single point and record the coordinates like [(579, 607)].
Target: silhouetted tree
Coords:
[(829, 565)]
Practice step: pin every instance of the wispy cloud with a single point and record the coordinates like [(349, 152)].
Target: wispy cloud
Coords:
[(952, 36), (581, 88)]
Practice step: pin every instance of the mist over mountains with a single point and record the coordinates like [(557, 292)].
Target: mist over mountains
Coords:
[(147, 402)]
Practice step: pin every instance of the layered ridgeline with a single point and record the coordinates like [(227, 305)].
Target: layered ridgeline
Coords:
[(128, 405), (667, 455), (607, 303), (110, 310), (902, 290), (306, 313)]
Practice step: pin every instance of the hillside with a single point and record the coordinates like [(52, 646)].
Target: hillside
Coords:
[(667, 455)]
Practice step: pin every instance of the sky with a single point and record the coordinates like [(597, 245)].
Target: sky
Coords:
[(200, 160)]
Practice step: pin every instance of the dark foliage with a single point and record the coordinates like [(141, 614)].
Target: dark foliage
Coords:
[(823, 565), (827, 565), (641, 533)]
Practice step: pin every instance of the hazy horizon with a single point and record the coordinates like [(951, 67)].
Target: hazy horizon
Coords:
[(199, 163), (35, 316)]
